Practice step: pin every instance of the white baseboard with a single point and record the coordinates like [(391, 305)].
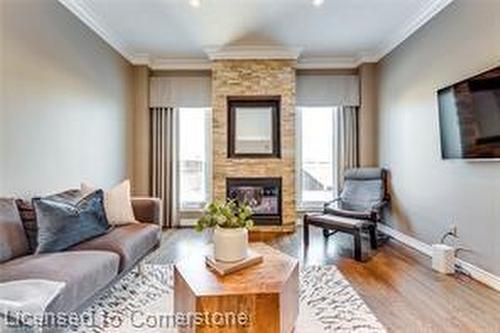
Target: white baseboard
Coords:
[(477, 273), (407, 240), (481, 275)]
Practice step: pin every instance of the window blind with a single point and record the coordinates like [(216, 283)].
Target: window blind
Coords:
[(327, 90), (180, 91)]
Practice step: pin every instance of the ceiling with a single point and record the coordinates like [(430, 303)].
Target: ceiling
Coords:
[(173, 34)]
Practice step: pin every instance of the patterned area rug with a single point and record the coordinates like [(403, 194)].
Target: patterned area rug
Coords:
[(139, 303)]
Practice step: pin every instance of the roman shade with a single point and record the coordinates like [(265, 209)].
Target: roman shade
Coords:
[(180, 91), (327, 90)]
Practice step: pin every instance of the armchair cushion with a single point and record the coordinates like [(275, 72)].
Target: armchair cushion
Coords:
[(364, 189), (339, 221), (365, 174), (363, 195), (334, 209)]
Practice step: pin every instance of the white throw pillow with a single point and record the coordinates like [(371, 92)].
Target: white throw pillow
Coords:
[(117, 203)]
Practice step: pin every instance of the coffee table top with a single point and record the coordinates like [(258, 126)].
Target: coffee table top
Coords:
[(266, 277)]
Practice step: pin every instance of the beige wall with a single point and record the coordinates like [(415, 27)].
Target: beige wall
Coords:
[(141, 183), (264, 78), (368, 118), (430, 193), (66, 102), (2, 110)]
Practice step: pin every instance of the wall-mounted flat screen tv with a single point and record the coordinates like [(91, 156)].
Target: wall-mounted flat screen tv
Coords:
[(469, 117)]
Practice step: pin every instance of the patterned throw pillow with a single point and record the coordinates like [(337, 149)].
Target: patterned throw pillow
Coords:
[(28, 217), (66, 221)]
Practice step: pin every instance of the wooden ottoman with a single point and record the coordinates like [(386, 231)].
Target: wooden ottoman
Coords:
[(265, 294)]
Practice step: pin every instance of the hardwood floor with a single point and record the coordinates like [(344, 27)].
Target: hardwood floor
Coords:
[(396, 282)]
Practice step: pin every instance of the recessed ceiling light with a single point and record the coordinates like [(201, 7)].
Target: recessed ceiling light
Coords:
[(317, 3), (195, 3)]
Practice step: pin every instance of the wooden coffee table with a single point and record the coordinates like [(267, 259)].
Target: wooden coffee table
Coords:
[(265, 294)]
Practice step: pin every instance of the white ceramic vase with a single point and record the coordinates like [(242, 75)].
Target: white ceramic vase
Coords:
[(230, 244)]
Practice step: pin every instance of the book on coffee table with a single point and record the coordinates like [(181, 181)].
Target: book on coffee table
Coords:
[(224, 268)]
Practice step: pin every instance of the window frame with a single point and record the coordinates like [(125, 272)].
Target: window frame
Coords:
[(311, 206), (194, 206)]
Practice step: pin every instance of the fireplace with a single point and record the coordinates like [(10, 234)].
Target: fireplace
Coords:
[(262, 194)]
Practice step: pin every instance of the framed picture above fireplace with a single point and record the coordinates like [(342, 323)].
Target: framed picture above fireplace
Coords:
[(254, 127)]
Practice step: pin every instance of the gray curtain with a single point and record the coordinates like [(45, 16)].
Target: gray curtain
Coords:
[(346, 142), (163, 162)]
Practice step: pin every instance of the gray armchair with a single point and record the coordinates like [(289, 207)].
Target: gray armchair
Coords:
[(358, 208), (363, 196)]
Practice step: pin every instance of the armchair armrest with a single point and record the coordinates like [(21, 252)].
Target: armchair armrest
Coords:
[(377, 209), (326, 204), (148, 210), (379, 206)]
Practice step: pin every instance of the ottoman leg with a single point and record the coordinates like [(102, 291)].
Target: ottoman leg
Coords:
[(306, 232), (357, 245), (373, 237)]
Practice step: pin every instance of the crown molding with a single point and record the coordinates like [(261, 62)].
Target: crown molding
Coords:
[(180, 64), (422, 17), (327, 63), (252, 52), (140, 59), (87, 15), (206, 63), (82, 10)]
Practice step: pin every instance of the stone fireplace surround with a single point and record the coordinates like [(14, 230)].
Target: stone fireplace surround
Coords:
[(255, 78)]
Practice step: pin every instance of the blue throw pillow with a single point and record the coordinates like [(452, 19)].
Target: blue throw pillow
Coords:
[(66, 221)]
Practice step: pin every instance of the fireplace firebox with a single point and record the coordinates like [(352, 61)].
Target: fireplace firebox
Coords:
[(262, 194)]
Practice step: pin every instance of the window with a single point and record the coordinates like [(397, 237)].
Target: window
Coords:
[(194, 151), (315, 156)]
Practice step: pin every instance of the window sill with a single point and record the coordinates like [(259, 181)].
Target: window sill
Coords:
[(191, 210)]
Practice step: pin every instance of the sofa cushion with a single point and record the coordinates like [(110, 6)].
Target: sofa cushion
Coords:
[(131, 242), (64, 223), (13, 241), (85, 273)]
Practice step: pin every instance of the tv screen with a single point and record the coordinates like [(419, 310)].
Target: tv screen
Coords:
[(469, 117)]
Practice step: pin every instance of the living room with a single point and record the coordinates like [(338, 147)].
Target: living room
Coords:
[(249, 166)]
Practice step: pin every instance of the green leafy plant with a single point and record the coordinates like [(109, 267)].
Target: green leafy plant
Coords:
[(227, 214)]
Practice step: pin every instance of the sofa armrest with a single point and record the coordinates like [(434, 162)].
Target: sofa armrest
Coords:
[(148, 210)]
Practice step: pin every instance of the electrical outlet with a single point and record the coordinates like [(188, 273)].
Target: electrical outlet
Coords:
[(453, 230)]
